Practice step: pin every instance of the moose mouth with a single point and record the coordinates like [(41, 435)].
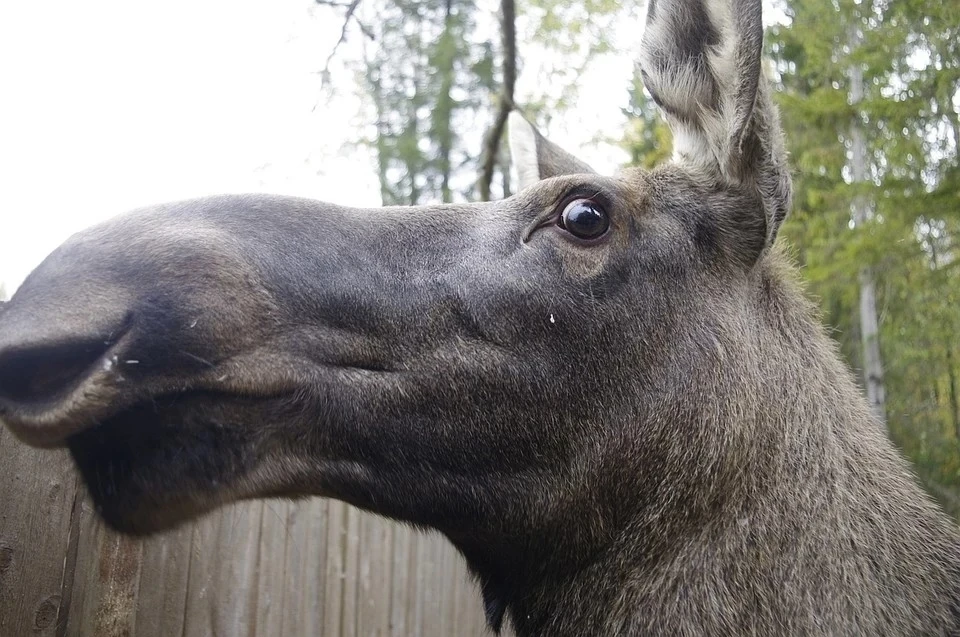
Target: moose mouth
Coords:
[(160, 462)]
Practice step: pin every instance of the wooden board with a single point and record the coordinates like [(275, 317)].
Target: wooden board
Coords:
[(38, 491)]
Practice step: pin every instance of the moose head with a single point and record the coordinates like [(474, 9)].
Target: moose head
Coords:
[(608, 392)]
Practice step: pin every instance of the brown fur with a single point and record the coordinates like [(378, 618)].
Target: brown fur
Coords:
[(644, 434)]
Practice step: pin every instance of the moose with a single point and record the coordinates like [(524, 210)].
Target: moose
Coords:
[(609, 393)]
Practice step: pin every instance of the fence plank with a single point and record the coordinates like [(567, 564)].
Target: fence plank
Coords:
[(305, 558), (270, 585), (105, 579), (400, 582), (351, 560), (335, 574), (375, 565), (37, 495), (164, 575)]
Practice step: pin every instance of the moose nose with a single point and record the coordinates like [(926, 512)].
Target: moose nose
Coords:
[(32, 377), (55, 371)]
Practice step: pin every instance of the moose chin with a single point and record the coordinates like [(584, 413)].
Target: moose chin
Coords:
[(608, 392)]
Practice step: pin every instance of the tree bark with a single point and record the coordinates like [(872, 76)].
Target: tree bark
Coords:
[(445, 104), (948, 354), (350, 10), (954, 399), (869, 323), (491, 143), (505, 173), (386, 196), (870, 335)]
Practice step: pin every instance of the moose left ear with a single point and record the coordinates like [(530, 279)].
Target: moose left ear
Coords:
[(535, 157), (700, 60)]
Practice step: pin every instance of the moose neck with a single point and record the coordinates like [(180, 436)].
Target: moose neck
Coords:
[(818, 498)]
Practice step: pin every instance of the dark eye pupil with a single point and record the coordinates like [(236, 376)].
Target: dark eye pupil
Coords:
[(585, 219)]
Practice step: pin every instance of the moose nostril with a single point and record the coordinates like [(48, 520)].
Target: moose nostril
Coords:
[(48, 372)]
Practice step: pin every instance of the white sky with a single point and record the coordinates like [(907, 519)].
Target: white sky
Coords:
[(108, 105), (112, 105)]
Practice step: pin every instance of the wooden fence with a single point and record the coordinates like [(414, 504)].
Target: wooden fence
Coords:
[(266, 568)]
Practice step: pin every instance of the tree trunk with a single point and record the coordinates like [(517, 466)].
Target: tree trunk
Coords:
[(386, 196), (491, 144), (445, 105), (869, 323), (954, 400), (870, 335), (505, 173)]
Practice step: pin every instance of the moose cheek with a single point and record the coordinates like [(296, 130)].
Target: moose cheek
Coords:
[(705, 236), (580, 260)]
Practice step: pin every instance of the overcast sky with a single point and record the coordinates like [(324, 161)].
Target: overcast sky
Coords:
[(112, 105)]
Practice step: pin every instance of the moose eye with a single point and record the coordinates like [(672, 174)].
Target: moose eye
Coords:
[(585, 219)]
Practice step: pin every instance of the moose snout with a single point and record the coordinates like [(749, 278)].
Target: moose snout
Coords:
[(56, 372), (147, 304)]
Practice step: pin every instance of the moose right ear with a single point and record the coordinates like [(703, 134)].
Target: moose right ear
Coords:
[(535, 157), (701, 63)]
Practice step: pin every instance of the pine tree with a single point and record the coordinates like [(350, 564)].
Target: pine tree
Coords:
[(426, 77), (903, 57)]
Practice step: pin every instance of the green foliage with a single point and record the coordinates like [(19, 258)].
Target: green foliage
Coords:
[(647, 137), (426, 77), (909, 54), (569, 36), (435, 68)]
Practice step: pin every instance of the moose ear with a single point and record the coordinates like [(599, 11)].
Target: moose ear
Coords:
[(535, 157), (700, 60)]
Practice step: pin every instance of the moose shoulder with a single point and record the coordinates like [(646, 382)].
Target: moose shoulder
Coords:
[(608, 392)]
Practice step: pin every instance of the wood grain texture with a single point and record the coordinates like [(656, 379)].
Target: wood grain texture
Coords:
[(37, 495), (254, 569)]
